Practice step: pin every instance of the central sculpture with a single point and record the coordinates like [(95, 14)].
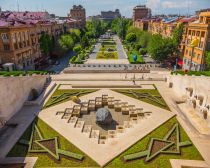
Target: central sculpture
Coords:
[(103, 116)]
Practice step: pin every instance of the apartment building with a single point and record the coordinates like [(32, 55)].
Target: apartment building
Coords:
[(199, 29), (78, 13), (20, 33)]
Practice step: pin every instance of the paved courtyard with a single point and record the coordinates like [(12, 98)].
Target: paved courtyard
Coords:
[(103, 153)]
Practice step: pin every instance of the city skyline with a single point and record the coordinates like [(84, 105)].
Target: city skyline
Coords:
[(95, 7)]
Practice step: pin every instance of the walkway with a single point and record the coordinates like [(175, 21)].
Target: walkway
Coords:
[(122, 57), (63, 63), (95, 51)]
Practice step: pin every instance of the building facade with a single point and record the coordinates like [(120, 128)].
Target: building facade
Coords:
[(199, 29), (78, 13), (20, 34), (110, 15), (141, 12)]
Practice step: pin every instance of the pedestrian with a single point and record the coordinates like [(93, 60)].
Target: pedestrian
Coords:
[(134, 82)]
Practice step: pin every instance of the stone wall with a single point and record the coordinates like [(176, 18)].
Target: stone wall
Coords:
[(199, 84), (14, 91)]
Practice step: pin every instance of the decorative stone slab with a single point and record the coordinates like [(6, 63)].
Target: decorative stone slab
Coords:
[(95, 135), (98, 104), (69, 110), (84, 110), (134, 120), (120, 129), (133, 114), (79, 125), (66, 116), (102, 139), (60, 113), (87, 130), (125, 110), (117, 106), (127, 124), (76, 113), (73, 121), (112, 134)]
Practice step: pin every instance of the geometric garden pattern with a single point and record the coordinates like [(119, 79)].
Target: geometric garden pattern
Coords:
[(38, 144), (170, 144)]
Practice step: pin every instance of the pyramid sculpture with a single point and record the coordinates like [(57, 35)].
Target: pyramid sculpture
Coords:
[(38, 144), (170, 144)]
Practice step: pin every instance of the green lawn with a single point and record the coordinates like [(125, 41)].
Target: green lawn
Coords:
[(106, 47), (43, 159), (108, 43), (154, 96), (61, 96), (107, 55), (161, 161), (140, 60)]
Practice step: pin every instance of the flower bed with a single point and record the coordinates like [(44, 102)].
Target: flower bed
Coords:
[(107, 55)]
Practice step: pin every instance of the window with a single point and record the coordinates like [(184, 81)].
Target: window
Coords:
[(201, 45), (14, 37), (6, 47), (199, 56), (198, 33), (4, 36), (202, 34), (189, 33), (186, 52), (23, 36)]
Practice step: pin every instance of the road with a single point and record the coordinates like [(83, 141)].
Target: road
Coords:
[(63, 63)]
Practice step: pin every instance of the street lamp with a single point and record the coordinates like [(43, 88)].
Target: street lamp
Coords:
[(194, 43)]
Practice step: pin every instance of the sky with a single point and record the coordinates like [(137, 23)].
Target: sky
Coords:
[(94, 7)]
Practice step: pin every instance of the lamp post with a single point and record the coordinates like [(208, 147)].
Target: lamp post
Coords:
[(193, 44)]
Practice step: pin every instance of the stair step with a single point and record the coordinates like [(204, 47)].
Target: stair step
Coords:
[(87, 129), (73, 121), (79, 125), (95, 134)]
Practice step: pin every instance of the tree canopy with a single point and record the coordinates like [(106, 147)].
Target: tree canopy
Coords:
[(66, 42), (46, 44), (161, 48), (131, 37)]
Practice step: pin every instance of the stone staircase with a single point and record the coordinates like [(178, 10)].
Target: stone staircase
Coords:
[(72, 115)]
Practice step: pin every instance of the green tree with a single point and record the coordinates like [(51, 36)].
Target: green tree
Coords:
[(144, 39), (46, 43), (84, 42), (135, 30), (66, 42), (161, 49), (131, 37), (76, 34), (207, 60), (177, 37), (143, 51), (120, 26), (77, 49)]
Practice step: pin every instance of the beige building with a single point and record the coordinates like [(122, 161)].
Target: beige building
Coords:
[(141, 12), (19, 41), (78, 13), (199, 29)]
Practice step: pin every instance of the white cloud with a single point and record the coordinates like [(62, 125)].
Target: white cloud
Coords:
[(170, 4), (153, 4)]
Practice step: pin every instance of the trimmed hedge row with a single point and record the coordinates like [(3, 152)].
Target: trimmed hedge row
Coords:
[(23, 73), (190, 73)]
